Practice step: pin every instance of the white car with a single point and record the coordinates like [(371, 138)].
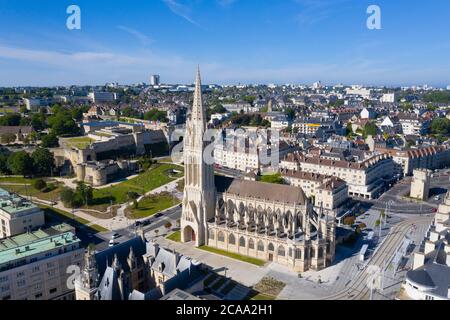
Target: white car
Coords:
[(437, 198), (112, 243)]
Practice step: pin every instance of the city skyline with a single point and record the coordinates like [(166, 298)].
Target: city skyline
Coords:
[(235, 41)]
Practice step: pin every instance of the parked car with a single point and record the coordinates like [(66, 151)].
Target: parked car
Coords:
[(115, 236), (112, 243), (138, 223), (158, 215)]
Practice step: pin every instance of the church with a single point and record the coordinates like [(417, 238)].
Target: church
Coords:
[(271, 222)]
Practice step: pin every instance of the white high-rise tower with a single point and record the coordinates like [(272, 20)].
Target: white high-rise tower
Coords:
[(199, 192)]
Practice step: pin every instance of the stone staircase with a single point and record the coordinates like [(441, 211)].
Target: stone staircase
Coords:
[(239, 292)]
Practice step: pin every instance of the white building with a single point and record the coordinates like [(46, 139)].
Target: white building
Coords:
[(388, 98), (100, 97), (359, 91), (155, 80), (429, 278), (33, 266), (364, 178), (18, 215)]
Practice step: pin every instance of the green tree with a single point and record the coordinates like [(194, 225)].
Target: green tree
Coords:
[(20, 163), (440, 126), (370, 129), (4, 163), (43, 162), (66, 196), (38, 122), (10, 119), (50, 141), (40, 184), (290, 113)]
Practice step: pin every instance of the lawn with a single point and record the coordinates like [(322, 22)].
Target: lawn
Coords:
[(236, 256), (16, 180), (263, 297), (155, 177), (64, 216), (79, 142), (176, 236), (50, 194), (151, 205)]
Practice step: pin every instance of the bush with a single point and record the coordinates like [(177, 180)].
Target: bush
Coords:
[(40, 184), (348, 221)]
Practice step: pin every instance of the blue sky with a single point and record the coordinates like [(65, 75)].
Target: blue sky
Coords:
[(234, 41)]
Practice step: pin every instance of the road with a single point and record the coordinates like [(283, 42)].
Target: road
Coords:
[(358, 288), (125, 234)]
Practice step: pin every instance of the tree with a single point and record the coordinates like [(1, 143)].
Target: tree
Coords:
[(440, 126), (4, 163), (43, 162), (50, 141), (62, 123), (67, 196), (290, 113), (168, 225), (20, 163), (370, 129), (40, 184), (8, 138), (10, 119), (38, 122)]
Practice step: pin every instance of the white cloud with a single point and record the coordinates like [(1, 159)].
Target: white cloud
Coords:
[(181, 10), (143, 39)]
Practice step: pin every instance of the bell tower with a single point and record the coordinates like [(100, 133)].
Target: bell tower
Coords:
[(199, 191)]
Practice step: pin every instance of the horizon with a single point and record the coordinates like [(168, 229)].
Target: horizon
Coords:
[(235, 41)]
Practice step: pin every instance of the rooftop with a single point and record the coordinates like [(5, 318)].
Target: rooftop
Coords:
[(28, 244), (12, 203)]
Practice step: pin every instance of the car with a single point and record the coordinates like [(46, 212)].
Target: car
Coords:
[(115, 236), (158, 215), (111, 243), (138, 223), (434, 210), (437, 198)]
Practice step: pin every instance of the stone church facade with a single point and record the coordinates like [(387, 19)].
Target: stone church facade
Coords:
[(266, 221)]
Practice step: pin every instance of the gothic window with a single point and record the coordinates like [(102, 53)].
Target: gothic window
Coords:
[(220, 236), (211, 235), (271, 248), (260, 246), (320, 252), (251, 244), (281, 251), (313, 252), (298, 253), (231, 239), (242, 242), (290, 252)]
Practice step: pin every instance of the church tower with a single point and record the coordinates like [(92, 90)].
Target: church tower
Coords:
[(86, 284), (199, 191)]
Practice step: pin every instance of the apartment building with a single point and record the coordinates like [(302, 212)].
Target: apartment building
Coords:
[(365, 178), (33, 266), (330, 193), (18, 215), (413, 124), (429, 278), (435, 157)]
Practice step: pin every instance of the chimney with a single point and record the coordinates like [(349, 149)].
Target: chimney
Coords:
[(429, 247), (419, 260)]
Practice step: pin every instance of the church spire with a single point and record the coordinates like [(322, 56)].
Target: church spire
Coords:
[(198, 113)]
